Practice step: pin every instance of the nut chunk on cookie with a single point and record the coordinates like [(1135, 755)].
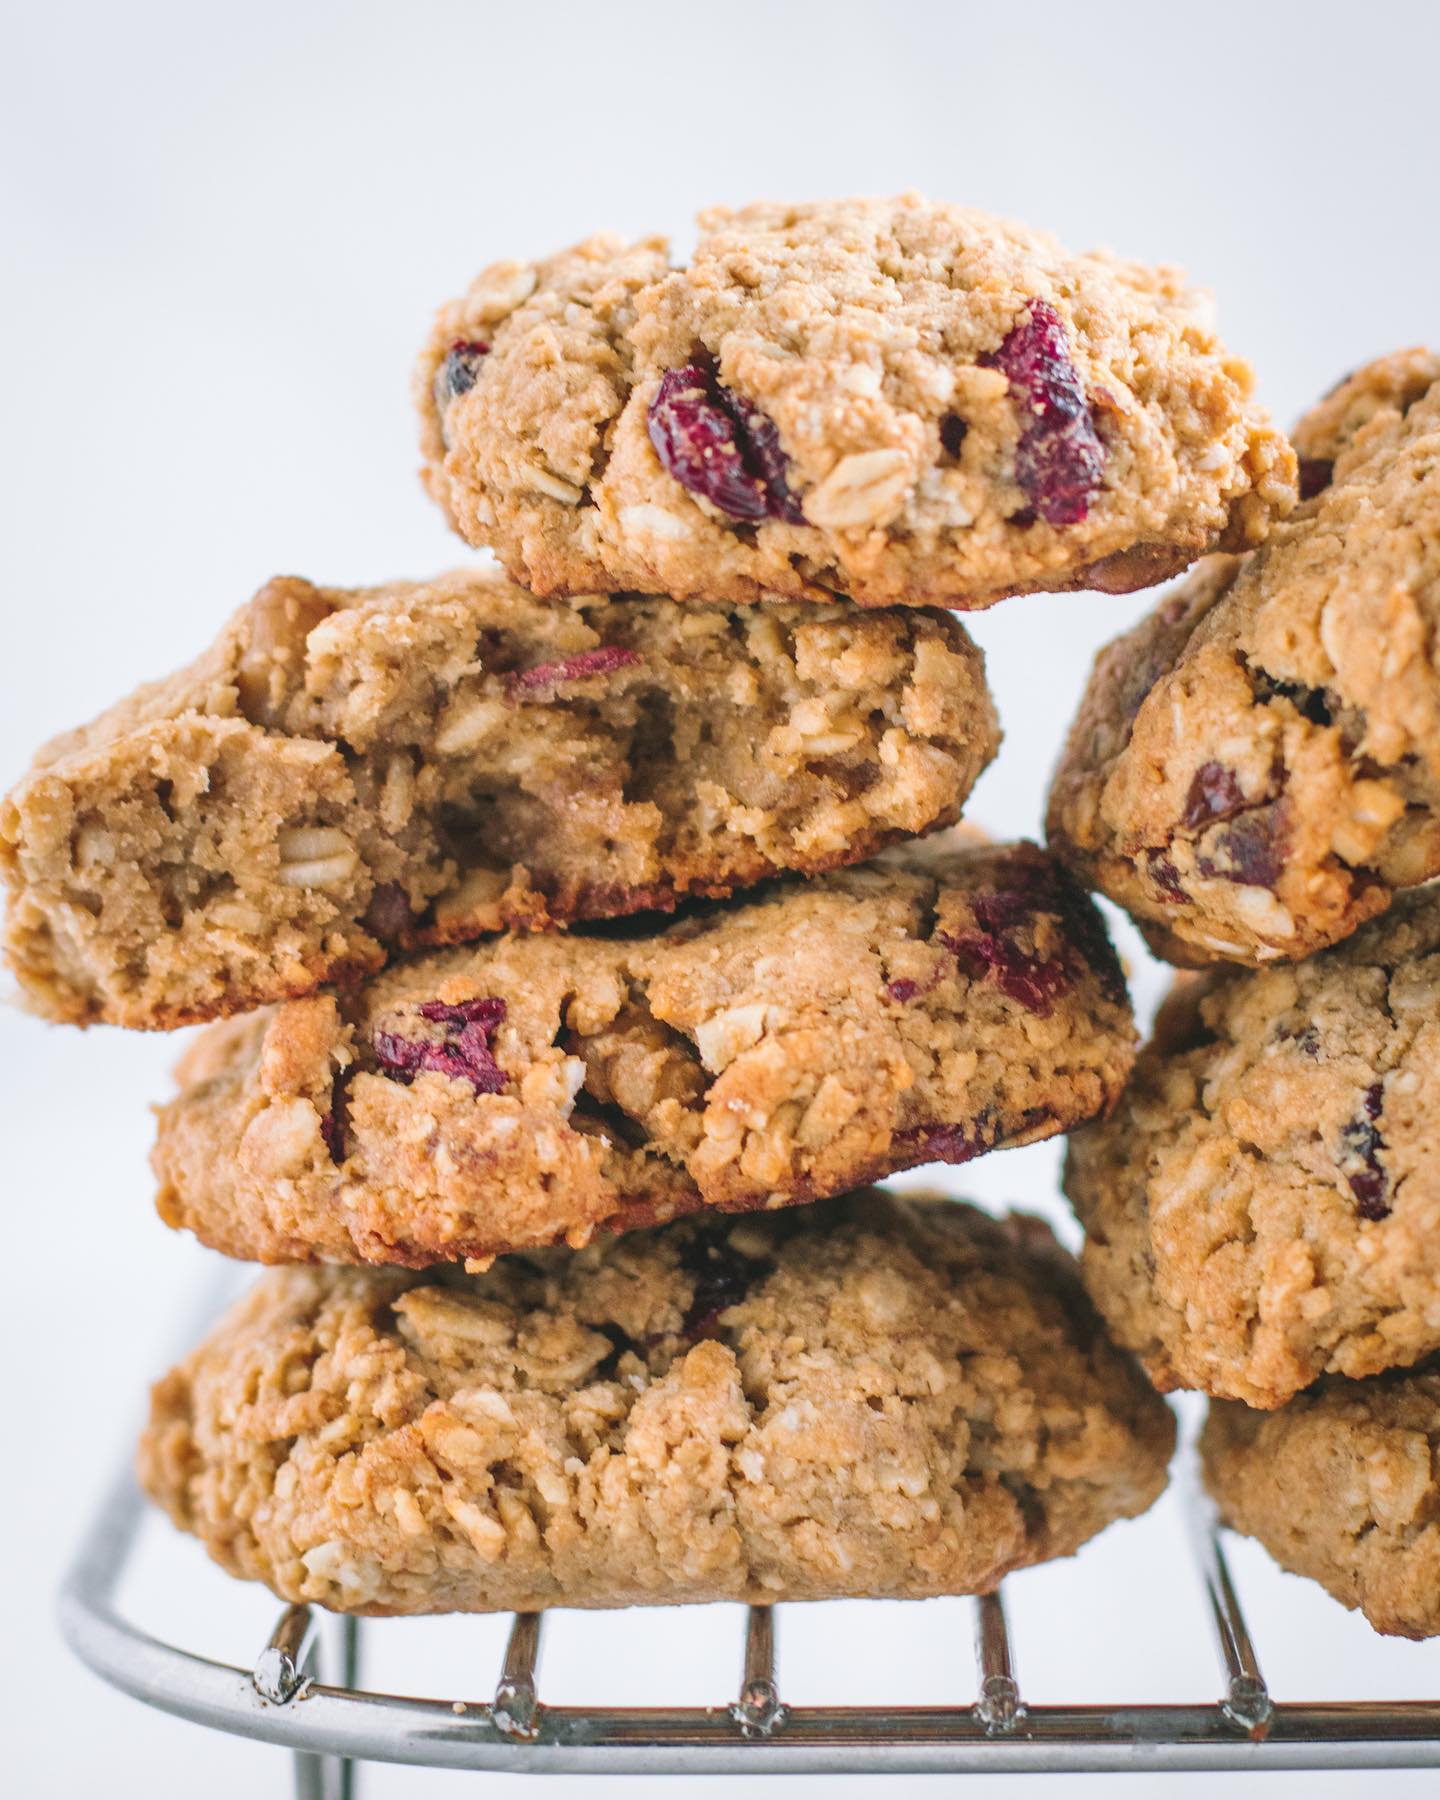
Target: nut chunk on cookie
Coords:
[(1342, 1485), (345, 774), (869, 1397), (1264, 1205), (1255, 769), (890, 399), (532, 1090)]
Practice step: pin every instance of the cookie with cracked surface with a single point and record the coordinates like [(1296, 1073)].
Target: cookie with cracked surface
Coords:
[(1342, 1485), (532, 1090), (867, 1397), (890, 399), (1255, 769), (347, 773), (1263, 1207)]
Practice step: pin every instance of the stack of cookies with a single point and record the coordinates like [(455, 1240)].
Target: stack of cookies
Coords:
[(577, 952), (1255, 776)]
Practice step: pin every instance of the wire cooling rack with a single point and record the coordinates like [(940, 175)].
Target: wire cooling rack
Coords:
[(334, 1724)]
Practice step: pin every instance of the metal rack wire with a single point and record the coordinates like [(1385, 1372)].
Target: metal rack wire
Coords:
[(333, 1725)]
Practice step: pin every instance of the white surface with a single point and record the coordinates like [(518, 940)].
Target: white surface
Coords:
[(225, 230)]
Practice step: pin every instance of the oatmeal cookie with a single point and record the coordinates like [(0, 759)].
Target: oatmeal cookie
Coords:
[(1264, 1205), (1255, 769), (894, 400), (531, 1089), (1342, 1485), (344, 774), (868, 1397)]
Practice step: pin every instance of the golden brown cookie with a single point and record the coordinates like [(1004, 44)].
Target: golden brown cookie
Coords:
[(890, 399), (865, 1397), (1263, 1206), (1255, 768), (533, 1089), (346, 773), (1342, 1485)]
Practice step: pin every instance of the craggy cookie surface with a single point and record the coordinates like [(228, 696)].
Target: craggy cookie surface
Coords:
[(889, 399), (1264, 1204), (1342, 1485), (532, 1089), (866, 1397), (1255, 769), (345, 773)]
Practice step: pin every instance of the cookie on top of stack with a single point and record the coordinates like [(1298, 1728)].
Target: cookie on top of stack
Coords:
[(583, 1297), (1255, 775)]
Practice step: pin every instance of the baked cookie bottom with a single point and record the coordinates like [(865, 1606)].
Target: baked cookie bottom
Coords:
[(866, 1397)]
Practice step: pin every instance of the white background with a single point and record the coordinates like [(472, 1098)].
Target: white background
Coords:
[(224, 230)]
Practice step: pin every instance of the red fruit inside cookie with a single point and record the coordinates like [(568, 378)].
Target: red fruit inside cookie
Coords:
[(1215, 793), (1360, 1147), (456, 375), (953, 1144), (1006, 913), (388, 913), (1166, 877), (533, 683), (463, 1053), (937, 1143), (1036, 982), (1061, 459), (723, 1277), (721, 446), (1251, 851), (1315, 475)]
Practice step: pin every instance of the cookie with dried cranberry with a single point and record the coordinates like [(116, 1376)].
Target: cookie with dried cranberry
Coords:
[(1255, 769), (349, 773), (889, 399), (537, 1089), (1342, 1485), (867, 1397), (1263, 1207)]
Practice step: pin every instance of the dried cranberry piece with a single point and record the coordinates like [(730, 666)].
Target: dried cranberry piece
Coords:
[(333, 1124), (1166, 877), (721, 446), (1214, 793), (1037, 885), (952, 1144), (903, 989), (953, 432), (1060, 459), (1315, 475), (465, 1053), (487, 1011), (938, 1143), (1250, 852), (456, 375), (1361, 1142), (723, 1277), (333, 1136), (586, 666), (388, 913), (1032, 980), (763, 436)]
